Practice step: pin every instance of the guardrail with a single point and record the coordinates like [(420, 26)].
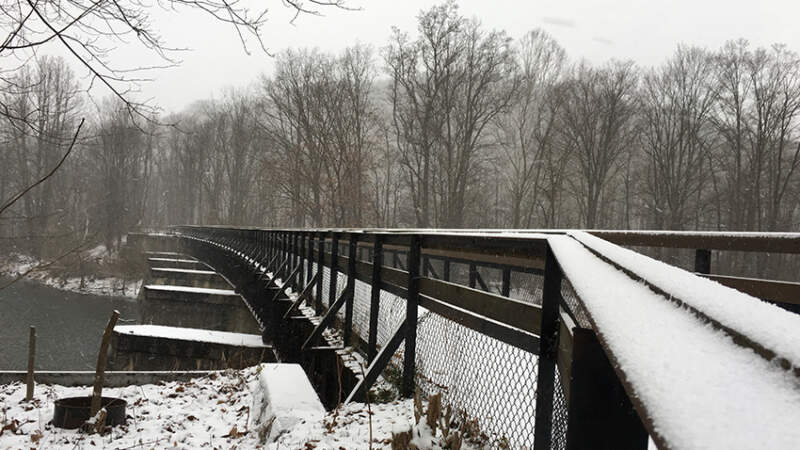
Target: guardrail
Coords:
[(509, 308)]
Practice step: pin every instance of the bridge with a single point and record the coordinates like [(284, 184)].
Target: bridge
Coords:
[(550, 339)]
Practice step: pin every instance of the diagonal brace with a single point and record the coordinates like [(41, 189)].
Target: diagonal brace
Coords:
[(326, 320), (359, 392), (303, 295), (285, 284)]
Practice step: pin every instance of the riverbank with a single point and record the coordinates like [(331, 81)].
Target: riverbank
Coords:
[(60, 277)]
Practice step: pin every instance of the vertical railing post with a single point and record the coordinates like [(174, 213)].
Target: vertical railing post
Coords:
[(292, 251), (473, 275), (505, 288), (446, 269), (301, 253), (334, 268), (352, 255), (321, 269), (375, 297), (412, 303), (548, 352), (702, 261), (600, 414), (309, 262)]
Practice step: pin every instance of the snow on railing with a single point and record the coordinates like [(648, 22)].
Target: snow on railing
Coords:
[(706, 366)]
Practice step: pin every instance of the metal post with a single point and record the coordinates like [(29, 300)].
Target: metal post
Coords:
[(505, 289), (301, 252), (375, 298), (352, 255), (600, 413), (446, 269), (310, 260), (473, 270), (702, 261), (334, 268), (548, 352), (412, 302), (321, 269)]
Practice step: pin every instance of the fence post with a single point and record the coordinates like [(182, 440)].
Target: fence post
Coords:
[(310, 261), (702, 261), (352, 255), (548, 352), (473, 272), (301, 253), (375, 298), (409, 364), (505, 289), (600, 414), (321, 269), (446, 269), (334, 268)]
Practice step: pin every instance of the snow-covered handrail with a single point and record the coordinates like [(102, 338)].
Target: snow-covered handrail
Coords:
[(705, 365)]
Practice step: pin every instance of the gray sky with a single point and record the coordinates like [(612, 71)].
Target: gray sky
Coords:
[(644, 31)]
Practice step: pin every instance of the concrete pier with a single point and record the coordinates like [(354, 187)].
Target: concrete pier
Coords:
[(156, 347), (191, 307)]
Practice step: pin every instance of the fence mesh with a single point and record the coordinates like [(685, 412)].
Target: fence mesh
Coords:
[(488, 380)]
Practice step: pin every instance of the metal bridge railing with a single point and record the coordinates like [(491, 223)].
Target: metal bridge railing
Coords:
[(487, 318)]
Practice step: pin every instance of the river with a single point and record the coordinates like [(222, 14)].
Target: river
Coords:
[(68, 325)]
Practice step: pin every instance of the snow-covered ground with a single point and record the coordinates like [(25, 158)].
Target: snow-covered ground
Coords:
[(15, 265), (216, 411)]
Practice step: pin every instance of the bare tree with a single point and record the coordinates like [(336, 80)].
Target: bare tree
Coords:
[(527, 133), (677, 100), (448, 86), (597, 124)]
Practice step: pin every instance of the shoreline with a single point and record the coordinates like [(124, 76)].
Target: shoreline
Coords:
[(15, 265)]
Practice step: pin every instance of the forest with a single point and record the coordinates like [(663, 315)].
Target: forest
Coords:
[(449, 125)]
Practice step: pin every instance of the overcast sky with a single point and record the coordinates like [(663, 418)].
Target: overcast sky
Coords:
[(644, 31)]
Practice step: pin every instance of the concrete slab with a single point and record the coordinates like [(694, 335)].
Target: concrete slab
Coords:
[(151, 347), (188, 277), (284, 398), (176, 263), (191, 307)]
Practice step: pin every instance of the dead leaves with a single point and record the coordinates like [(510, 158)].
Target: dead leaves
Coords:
[(234, 433), (12, 426)]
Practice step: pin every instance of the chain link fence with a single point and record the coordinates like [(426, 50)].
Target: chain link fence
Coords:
[(486, 379)]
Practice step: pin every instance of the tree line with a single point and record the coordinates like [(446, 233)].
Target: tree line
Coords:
[(450, 125)]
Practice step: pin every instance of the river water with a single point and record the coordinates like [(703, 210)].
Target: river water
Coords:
[(68, 325)]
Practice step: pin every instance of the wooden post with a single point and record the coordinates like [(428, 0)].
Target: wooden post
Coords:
[(31, 358), (600, 413), (100, 373)]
